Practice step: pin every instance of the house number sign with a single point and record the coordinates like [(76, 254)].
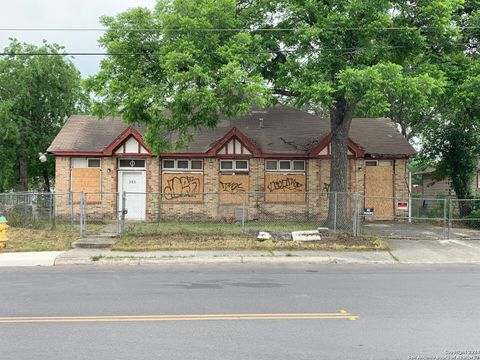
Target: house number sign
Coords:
[(132, 163)]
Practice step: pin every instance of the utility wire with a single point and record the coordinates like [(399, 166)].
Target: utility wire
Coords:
[(158, 53), (224, 29)]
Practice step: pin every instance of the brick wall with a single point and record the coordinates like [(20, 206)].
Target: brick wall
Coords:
[(62, 186), (315, 205)]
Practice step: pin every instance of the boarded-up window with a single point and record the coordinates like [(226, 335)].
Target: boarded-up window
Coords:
[(182, 187), (285, 187), (233, 188), (86, 180)]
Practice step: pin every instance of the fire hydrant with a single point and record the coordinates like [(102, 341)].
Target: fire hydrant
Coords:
[(3, 232)]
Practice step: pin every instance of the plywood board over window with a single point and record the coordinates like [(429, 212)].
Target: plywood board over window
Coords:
[(285, 187), (86, 180), (379, 192), (233, 188), (182, 187)]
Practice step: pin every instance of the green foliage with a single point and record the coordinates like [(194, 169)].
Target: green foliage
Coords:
[(37, 93), (454, 141), (182, 79)]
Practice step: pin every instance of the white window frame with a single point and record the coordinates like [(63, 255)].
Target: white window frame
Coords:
[(177, 169), (129, 167), (86, 159), (291, 169), (94, 167), (234, 165), (371, 162)]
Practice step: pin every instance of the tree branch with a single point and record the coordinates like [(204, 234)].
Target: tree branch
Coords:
[(285, 93)]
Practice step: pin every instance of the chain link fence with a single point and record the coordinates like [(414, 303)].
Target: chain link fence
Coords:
[(423, 218), (245, 213), (240, 213)]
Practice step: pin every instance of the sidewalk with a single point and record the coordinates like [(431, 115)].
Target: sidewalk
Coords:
[(402, 251), (100, 256), (41, 258)]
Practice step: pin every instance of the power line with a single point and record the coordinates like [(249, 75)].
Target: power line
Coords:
[(223, 29), (156, 53)]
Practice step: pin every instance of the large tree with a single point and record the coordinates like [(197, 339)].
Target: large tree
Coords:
[(204, 59), (452, 142), (39, 89), (358, 56), (182, 73)]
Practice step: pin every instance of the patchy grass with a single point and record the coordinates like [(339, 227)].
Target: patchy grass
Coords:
[(27, 239), (215, 228), (224, 236)]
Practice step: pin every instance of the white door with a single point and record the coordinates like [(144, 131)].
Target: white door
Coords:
[(133, 183)]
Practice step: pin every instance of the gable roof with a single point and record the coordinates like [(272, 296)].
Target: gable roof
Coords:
[(285, 130), (85, 133)]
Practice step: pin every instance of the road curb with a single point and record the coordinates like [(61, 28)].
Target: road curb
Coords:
[(118, 260)]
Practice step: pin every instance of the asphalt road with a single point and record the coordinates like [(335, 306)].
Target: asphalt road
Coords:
[(404, 312)]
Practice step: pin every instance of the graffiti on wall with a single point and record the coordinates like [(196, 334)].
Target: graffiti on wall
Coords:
[(285, 188), (287, 184), (231, 187), (181, 186)]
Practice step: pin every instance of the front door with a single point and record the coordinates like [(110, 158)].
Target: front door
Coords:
[(133, 183)]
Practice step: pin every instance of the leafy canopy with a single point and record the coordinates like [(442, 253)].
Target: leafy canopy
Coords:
[(37, 94), (177, 78)]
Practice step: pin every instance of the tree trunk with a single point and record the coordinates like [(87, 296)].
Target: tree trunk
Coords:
[(22, 163), (340, 121), (46, 180), (22, 174)]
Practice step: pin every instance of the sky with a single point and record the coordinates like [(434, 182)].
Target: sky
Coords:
[(62, 14)]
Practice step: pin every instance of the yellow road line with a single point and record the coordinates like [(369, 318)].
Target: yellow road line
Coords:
[(199, 317)]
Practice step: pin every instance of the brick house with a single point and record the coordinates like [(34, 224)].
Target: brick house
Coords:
[(429, 187), (270, 161)]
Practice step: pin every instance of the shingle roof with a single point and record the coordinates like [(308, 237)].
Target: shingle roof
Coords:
[(285, 130)]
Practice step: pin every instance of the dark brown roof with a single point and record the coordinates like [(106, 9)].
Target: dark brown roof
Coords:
[(285, 130)]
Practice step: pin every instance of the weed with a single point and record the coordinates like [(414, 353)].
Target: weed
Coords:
[(96, 257)]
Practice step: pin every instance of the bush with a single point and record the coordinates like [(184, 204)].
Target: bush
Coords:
[(473, 219)]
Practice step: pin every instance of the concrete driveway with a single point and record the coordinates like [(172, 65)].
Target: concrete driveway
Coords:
[(435, 251), (420, 231)]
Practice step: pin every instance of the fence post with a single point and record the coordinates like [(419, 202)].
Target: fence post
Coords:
[(449, 217), (445, 226), (244, 211), (50, 209), (122, 215), (82, 214), (335, 212), (356, 215), (117, 206), (25, 208), (70, 198)]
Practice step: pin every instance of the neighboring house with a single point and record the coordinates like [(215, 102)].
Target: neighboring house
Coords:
[(276, 155), (428, 187)]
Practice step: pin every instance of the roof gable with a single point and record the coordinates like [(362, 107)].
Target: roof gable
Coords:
[(323, 148), (233, 143), (129, 142)]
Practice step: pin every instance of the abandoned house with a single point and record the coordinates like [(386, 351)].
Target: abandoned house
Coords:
[(270, 162)]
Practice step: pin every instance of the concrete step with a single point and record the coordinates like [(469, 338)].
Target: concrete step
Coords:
[(96, 242)]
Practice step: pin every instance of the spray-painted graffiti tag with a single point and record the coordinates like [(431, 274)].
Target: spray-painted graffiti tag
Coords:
[(287, 184), (181, 186), (231, 187)]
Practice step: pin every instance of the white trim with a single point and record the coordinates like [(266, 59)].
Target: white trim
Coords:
[(371, 162), (84, 163), (177, 169), (131, 167), (234, 165), (291, 169)]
